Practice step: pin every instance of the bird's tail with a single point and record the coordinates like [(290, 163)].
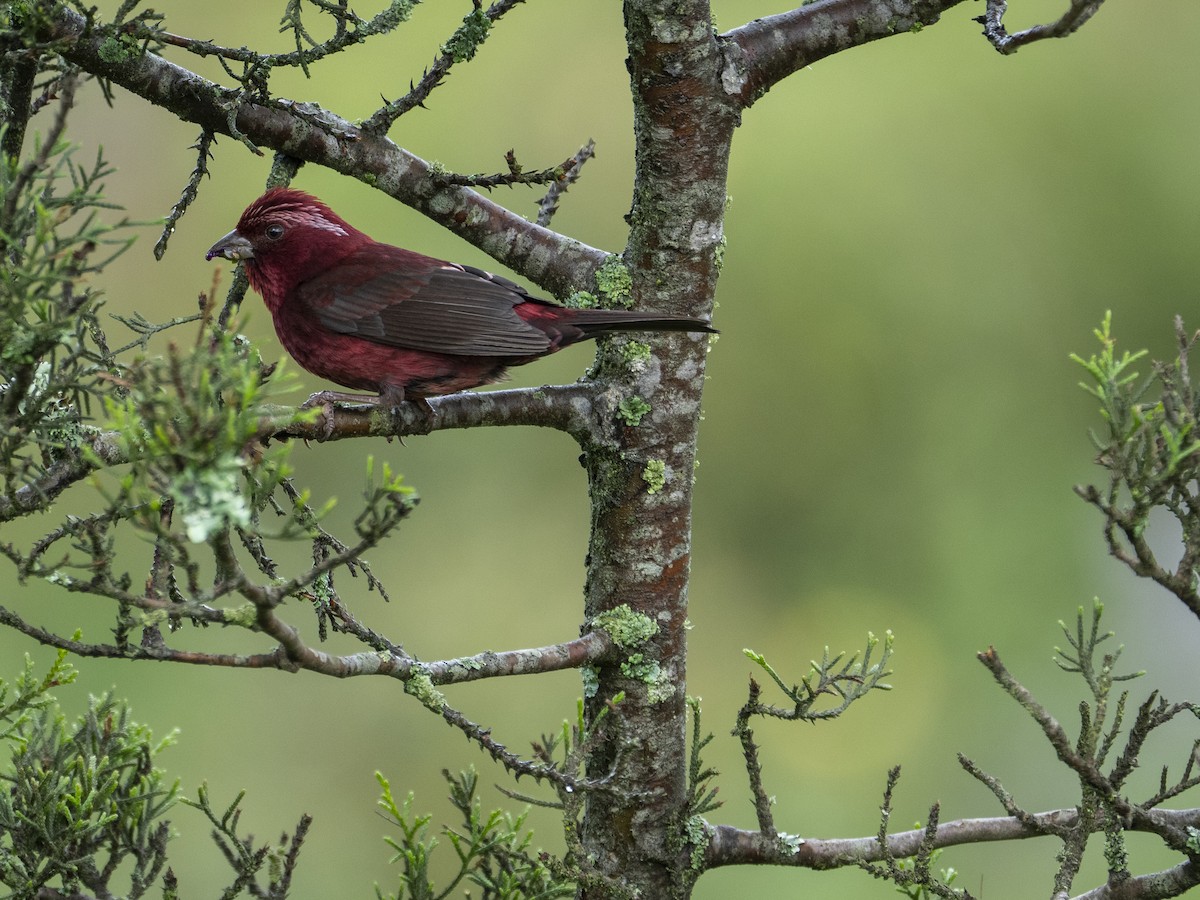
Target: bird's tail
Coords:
[(595, 322)]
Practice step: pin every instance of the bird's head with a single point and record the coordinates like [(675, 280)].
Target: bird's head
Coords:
[(286, 237)]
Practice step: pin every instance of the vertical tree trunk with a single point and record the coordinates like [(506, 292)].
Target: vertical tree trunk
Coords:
[(641, 532)]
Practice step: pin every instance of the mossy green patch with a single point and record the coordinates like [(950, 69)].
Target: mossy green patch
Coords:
[(626, 627), (655, 476), (614, 282), (632, 409)]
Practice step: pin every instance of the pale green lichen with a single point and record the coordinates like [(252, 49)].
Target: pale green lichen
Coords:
[(245, 615), (789, 843), (636, 354), (655, 476), (119, 50), (420, 685), (698, 840), (582, 300), (591, 681), (626, 627), (636, 666), (661, 688), (719, 254), (629, 629), (615, 283), (658, 686), (474, 30), (632, 409), (210, 499)]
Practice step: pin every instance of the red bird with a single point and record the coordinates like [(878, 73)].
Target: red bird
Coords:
[(375, 317)]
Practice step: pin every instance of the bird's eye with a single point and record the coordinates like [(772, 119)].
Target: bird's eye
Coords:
[(274, 232)]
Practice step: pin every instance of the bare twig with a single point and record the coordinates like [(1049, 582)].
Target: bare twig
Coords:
[(736, 846), (743, 732), (384, 22), (1156, 886), (1001, 793), (514, 176), (203, 154), (581, 410), (1070, 22), (548, 205), (460, 47)]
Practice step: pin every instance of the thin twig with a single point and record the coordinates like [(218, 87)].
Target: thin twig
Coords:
[(1070, 22), (190, 190), (548, 205), (379, 122)]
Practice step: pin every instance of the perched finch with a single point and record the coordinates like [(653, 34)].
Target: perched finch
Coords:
[(374, 317)]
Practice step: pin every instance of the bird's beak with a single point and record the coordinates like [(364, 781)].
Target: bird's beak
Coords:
[(232, 246)]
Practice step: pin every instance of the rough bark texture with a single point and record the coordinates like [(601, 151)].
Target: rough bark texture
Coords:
[(641, 537)]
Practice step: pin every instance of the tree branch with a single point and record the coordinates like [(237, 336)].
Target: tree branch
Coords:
[(731, 846), (764, 52), (70, 468), (583, 410), (1070, 22), (1169, 883), (293, 655), (1133, 815), (591, 648), (382, 23), (557, 263), (382, 119)]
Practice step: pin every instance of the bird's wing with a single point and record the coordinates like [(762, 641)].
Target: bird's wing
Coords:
[(402, 299)]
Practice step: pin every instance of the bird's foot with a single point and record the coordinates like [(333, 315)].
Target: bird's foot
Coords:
[(387, 400), (325, 400)]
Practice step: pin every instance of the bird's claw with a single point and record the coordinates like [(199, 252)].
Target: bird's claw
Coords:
[(327, 418), (325, 400)]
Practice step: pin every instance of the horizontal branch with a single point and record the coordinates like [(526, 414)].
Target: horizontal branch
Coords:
[(729, 846), (579, 409), (557, 263), (292, 655), (572, 408), (1157, 886), (594, 647), (590, 648), (764, 52)]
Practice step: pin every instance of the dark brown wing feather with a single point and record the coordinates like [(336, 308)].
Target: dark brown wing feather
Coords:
[(403, 299)]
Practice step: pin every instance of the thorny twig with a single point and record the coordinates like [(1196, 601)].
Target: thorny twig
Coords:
[(548, 205), (461, 46)]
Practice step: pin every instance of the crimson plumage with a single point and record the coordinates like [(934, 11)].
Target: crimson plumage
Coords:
[(370, 316)]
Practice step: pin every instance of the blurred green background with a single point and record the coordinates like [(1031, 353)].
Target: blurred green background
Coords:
[(920, 232)]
